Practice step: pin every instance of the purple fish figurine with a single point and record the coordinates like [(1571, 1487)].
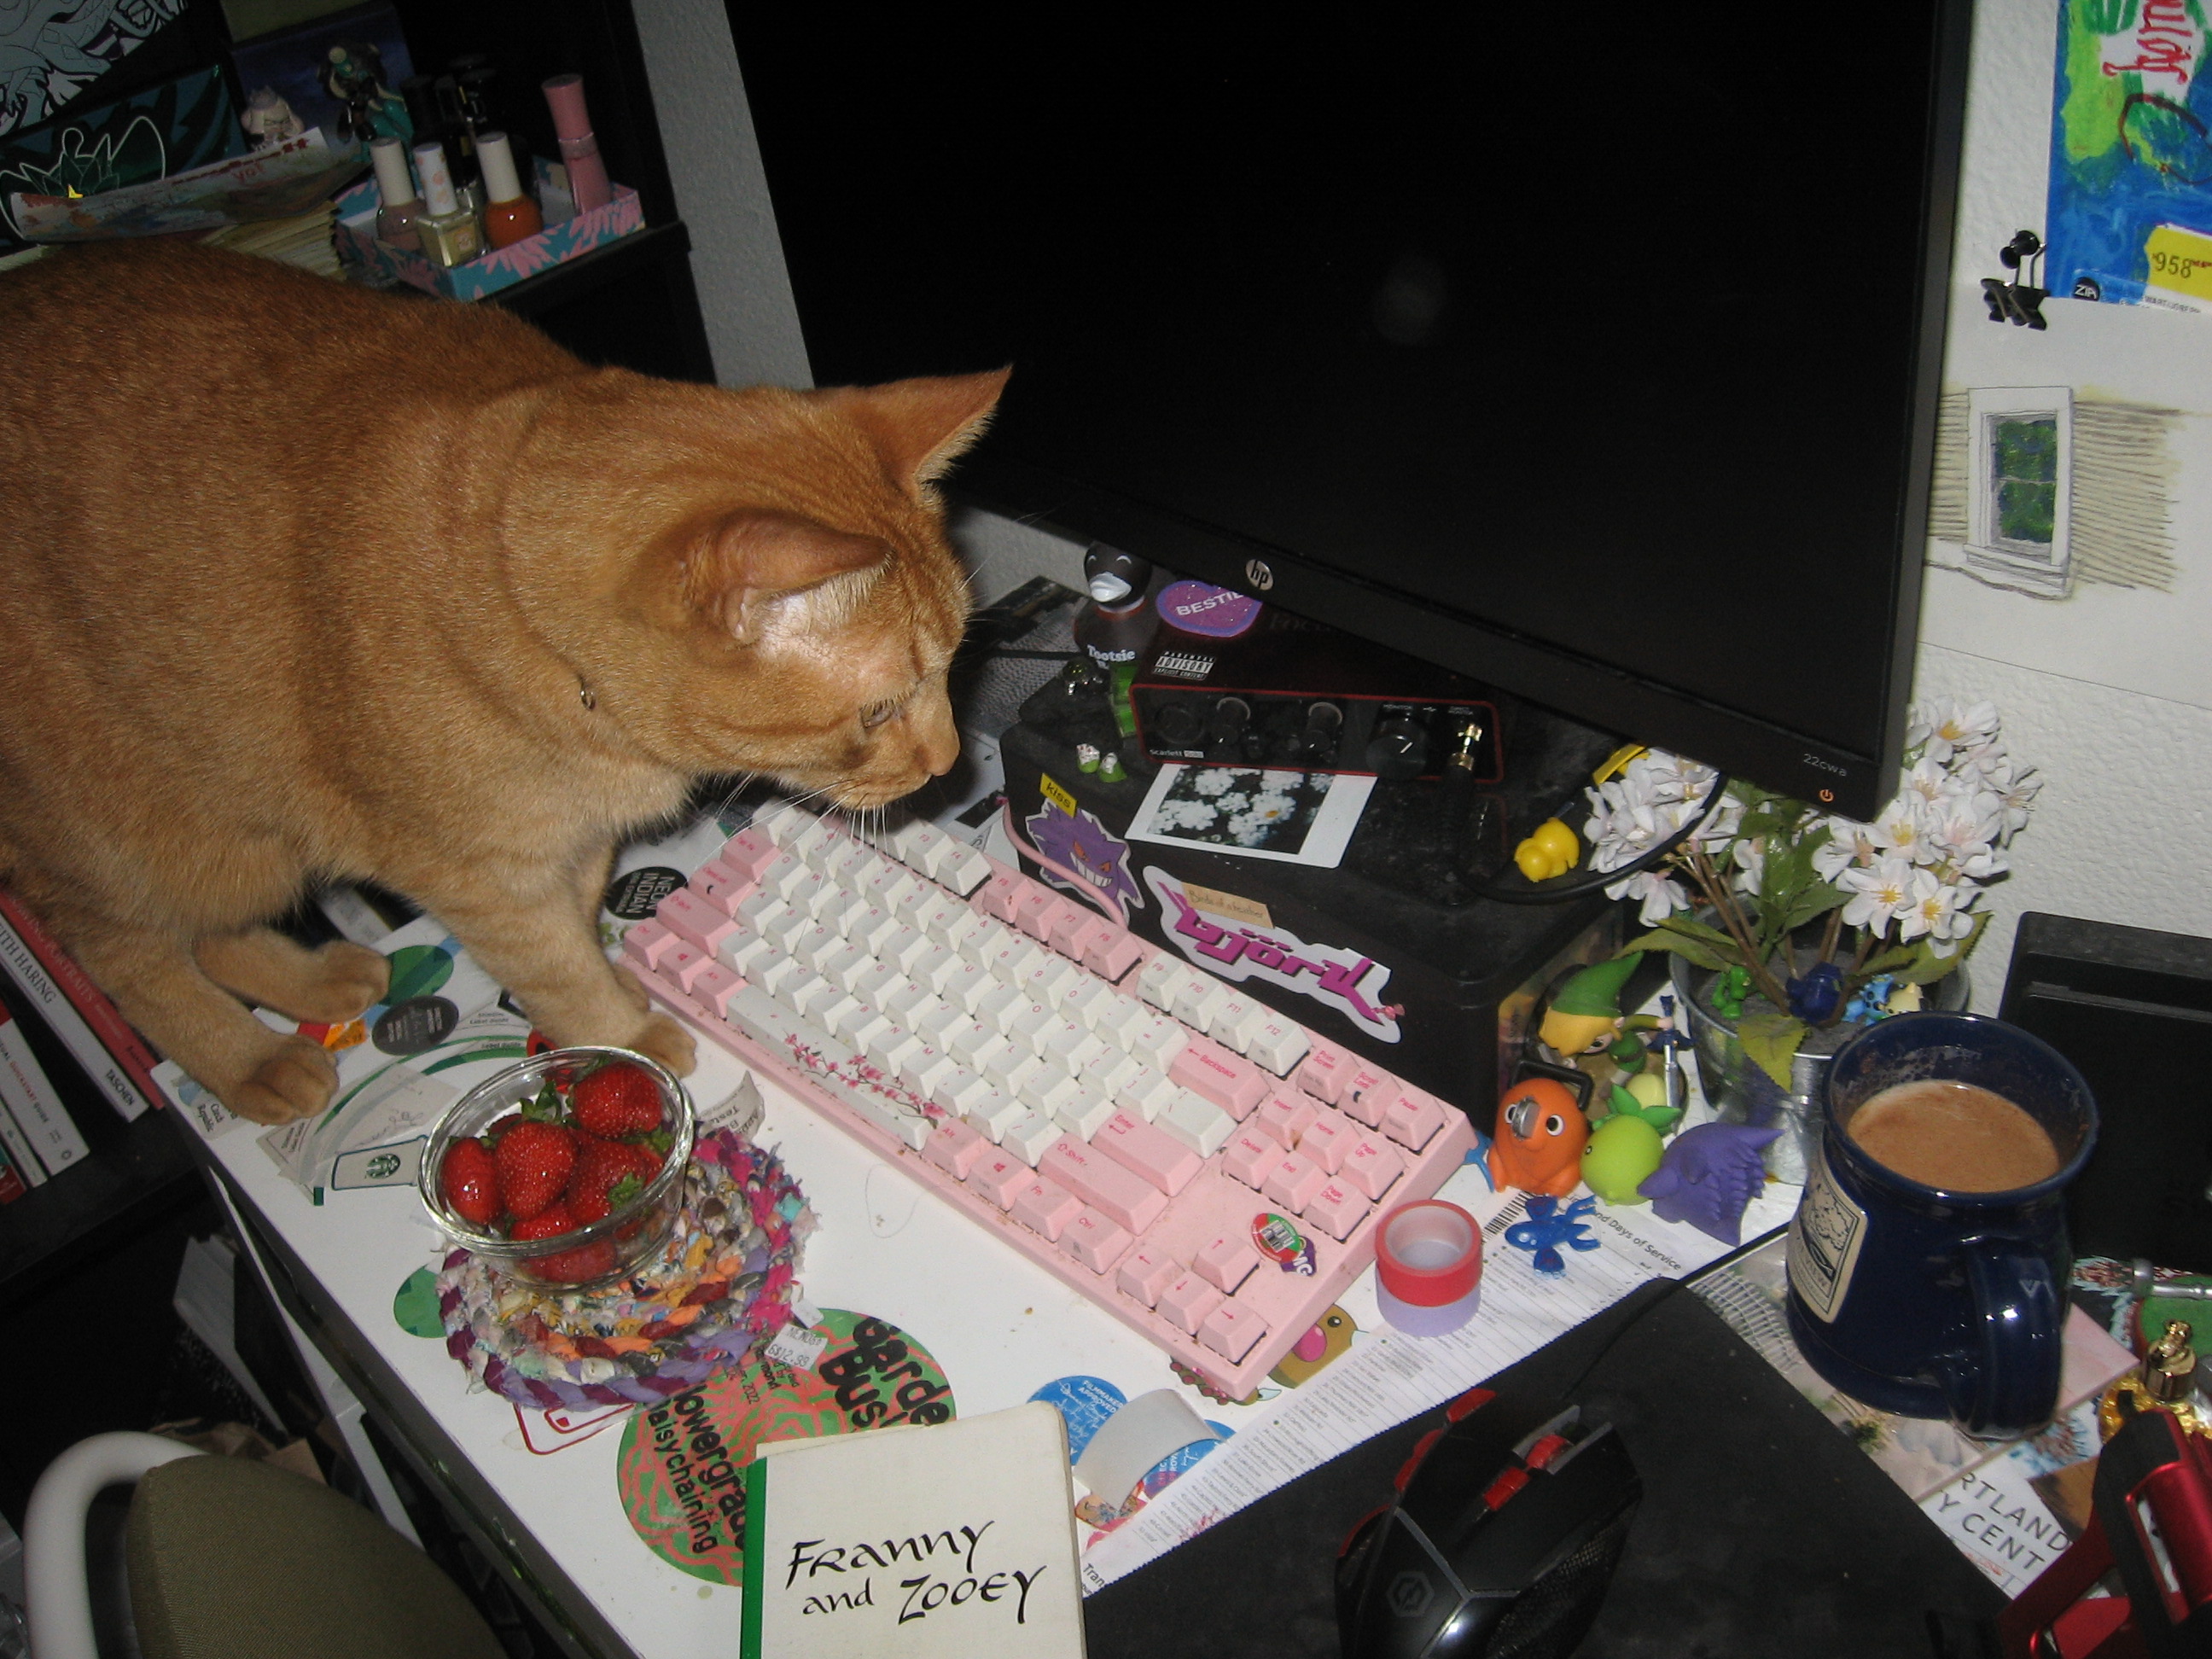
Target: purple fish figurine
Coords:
[(1708, 1176)]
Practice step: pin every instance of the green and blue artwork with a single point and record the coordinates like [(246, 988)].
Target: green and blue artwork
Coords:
[(2130, 207)]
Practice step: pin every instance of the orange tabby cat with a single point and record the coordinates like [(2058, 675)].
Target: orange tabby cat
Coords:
[(306, 583)]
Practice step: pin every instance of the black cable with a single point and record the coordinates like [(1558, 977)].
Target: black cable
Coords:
[(1560, 888)]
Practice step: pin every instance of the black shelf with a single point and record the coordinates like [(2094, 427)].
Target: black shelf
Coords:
[(131, 1182)]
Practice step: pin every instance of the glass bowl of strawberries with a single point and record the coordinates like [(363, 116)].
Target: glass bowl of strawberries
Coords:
[(566, 1171)]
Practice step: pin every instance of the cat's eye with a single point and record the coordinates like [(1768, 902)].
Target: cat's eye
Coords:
[(875, 715)]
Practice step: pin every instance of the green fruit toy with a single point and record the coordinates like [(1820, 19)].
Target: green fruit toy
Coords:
[(1622, 1152)]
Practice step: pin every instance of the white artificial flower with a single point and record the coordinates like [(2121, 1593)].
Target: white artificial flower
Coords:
[(1877, 893), (2014, 799), (1644, 804), (1899, 830), (1937, 911), (1850, 842), (1963, 833), (1750, 864), (1661, 895), (1927, 782), (1953, 726)]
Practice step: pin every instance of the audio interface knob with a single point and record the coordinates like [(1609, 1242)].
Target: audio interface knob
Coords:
[(1399, 751)]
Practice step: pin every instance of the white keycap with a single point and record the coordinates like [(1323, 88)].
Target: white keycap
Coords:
[(963, 871), (970, 926), (1197, 1122), (775, 971), (927, 964), (740, 951), (997, 1006), (1088, 999), (1050, 1088), (1084, 1113), (1030, 1022), (1196, 1003), (1279, 1044), (842, 1008), (1160, 1042), (974, 1042), (869, 982), (938, 914), (921, 1073), (809, 995), (1028, 1136), (937, 1018), (1160, 981), (1148, 1093), (1237, 1022), (961, 982), (993, 1113), (898, 997)]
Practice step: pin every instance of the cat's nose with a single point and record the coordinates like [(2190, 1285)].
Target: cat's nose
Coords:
[(938, 741)]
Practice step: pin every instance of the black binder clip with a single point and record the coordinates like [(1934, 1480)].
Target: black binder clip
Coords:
[(2017, 302)]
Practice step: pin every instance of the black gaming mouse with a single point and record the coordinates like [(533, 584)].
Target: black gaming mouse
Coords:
[(1506, 1529)]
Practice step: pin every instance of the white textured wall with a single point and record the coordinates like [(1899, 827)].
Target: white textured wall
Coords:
[(2122, 829)]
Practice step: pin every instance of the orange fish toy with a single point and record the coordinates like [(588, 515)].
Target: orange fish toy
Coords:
[(1541, 1135)]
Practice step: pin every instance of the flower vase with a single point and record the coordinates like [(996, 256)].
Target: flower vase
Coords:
[(1740, 1090)]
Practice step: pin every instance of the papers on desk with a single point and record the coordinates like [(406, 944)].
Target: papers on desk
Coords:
[(1389, 1377)]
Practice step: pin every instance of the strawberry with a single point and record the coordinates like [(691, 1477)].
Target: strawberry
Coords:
[(535, 1161), (471, 1183), (565, 1267), (606, 1178), (618, 1099)]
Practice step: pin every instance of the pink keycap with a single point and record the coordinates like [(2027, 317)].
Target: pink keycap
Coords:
[(1093, 928), (999, 894), (1231, 1329), (955, 1147), (1249, 1155), (1372, 1166), (649, 943), (1067, 918), (687, 970), (1096, 1241), (721, 885), (1137, 1145), (1187, 1301), (715, 986), (1336, 1209), (1226, 1261), (748, 852), (1044, 1208), (1325, 1071), (1102, 1183), (1111, 954), (1413, 1118), (1329, 1139), (1372, 1095), (1294, 1181), (680, 958), (1285, 1115), (685, 912), (1033, 909), (1229, 1080), (1145, 1271), (999, 1176)]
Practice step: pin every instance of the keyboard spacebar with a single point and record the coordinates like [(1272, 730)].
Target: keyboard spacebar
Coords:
[(791, 1039)]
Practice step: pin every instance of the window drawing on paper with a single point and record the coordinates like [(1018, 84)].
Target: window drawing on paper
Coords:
[(2040, 490)]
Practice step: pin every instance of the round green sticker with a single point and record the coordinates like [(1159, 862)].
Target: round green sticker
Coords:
[(416, 1306), (680, 1471)]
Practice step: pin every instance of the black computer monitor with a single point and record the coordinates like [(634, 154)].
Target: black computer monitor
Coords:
[(1589, 350)]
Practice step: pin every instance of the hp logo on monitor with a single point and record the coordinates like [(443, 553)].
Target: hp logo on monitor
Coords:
[(1257, 574)]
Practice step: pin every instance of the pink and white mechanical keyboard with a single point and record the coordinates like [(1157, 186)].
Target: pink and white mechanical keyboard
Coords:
[(1202, 1167)]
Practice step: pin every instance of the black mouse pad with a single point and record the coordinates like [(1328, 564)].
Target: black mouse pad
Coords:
[(1763, 1530)]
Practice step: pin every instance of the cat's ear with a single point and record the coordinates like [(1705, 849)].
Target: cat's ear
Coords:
[(923, 426), (743, 562)]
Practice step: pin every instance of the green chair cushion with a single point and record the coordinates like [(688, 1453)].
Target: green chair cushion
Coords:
[(231, 1559)]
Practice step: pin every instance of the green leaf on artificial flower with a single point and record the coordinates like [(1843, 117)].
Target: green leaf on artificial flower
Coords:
[(1812, 904), (1771, 1040), (1694, 950), (1926, 967)]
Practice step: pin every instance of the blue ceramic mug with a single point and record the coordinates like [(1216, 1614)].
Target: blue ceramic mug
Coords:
[(1926, 1302)]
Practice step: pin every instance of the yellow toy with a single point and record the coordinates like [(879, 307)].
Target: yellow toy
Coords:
[(1552, 849)]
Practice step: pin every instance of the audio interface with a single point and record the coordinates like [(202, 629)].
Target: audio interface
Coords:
[(1299, 694)]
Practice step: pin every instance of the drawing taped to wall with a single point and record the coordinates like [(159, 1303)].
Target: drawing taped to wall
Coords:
[(52, 50), (2131, 155)]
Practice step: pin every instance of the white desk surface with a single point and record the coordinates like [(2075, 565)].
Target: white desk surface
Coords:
[(1000, 1327)]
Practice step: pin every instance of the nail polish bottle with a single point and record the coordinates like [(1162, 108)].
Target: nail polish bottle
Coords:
[(395, 186), (509, 216), (450, 236), (571, 125)]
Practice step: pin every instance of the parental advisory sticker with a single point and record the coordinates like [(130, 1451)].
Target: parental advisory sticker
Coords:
[(1824, 1243)]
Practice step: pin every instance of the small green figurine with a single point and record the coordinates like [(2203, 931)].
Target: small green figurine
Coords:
[(1109, 767), (1623, 1152), (1729, 991), (1585, 1015)]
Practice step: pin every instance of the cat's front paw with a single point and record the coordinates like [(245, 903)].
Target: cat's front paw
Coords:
[(664, 1039), (296, 1081)]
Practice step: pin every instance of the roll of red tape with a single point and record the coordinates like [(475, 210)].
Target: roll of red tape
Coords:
[(1429, 1254)]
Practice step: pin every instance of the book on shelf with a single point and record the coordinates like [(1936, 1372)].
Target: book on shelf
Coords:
[(952, 1539), (11, 1184), (115, 1057), (35, 1127)]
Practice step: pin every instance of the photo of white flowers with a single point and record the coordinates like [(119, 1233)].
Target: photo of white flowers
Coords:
[(1303, 817)]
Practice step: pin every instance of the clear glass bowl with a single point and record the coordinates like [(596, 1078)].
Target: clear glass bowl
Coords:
[(637, 1230)]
